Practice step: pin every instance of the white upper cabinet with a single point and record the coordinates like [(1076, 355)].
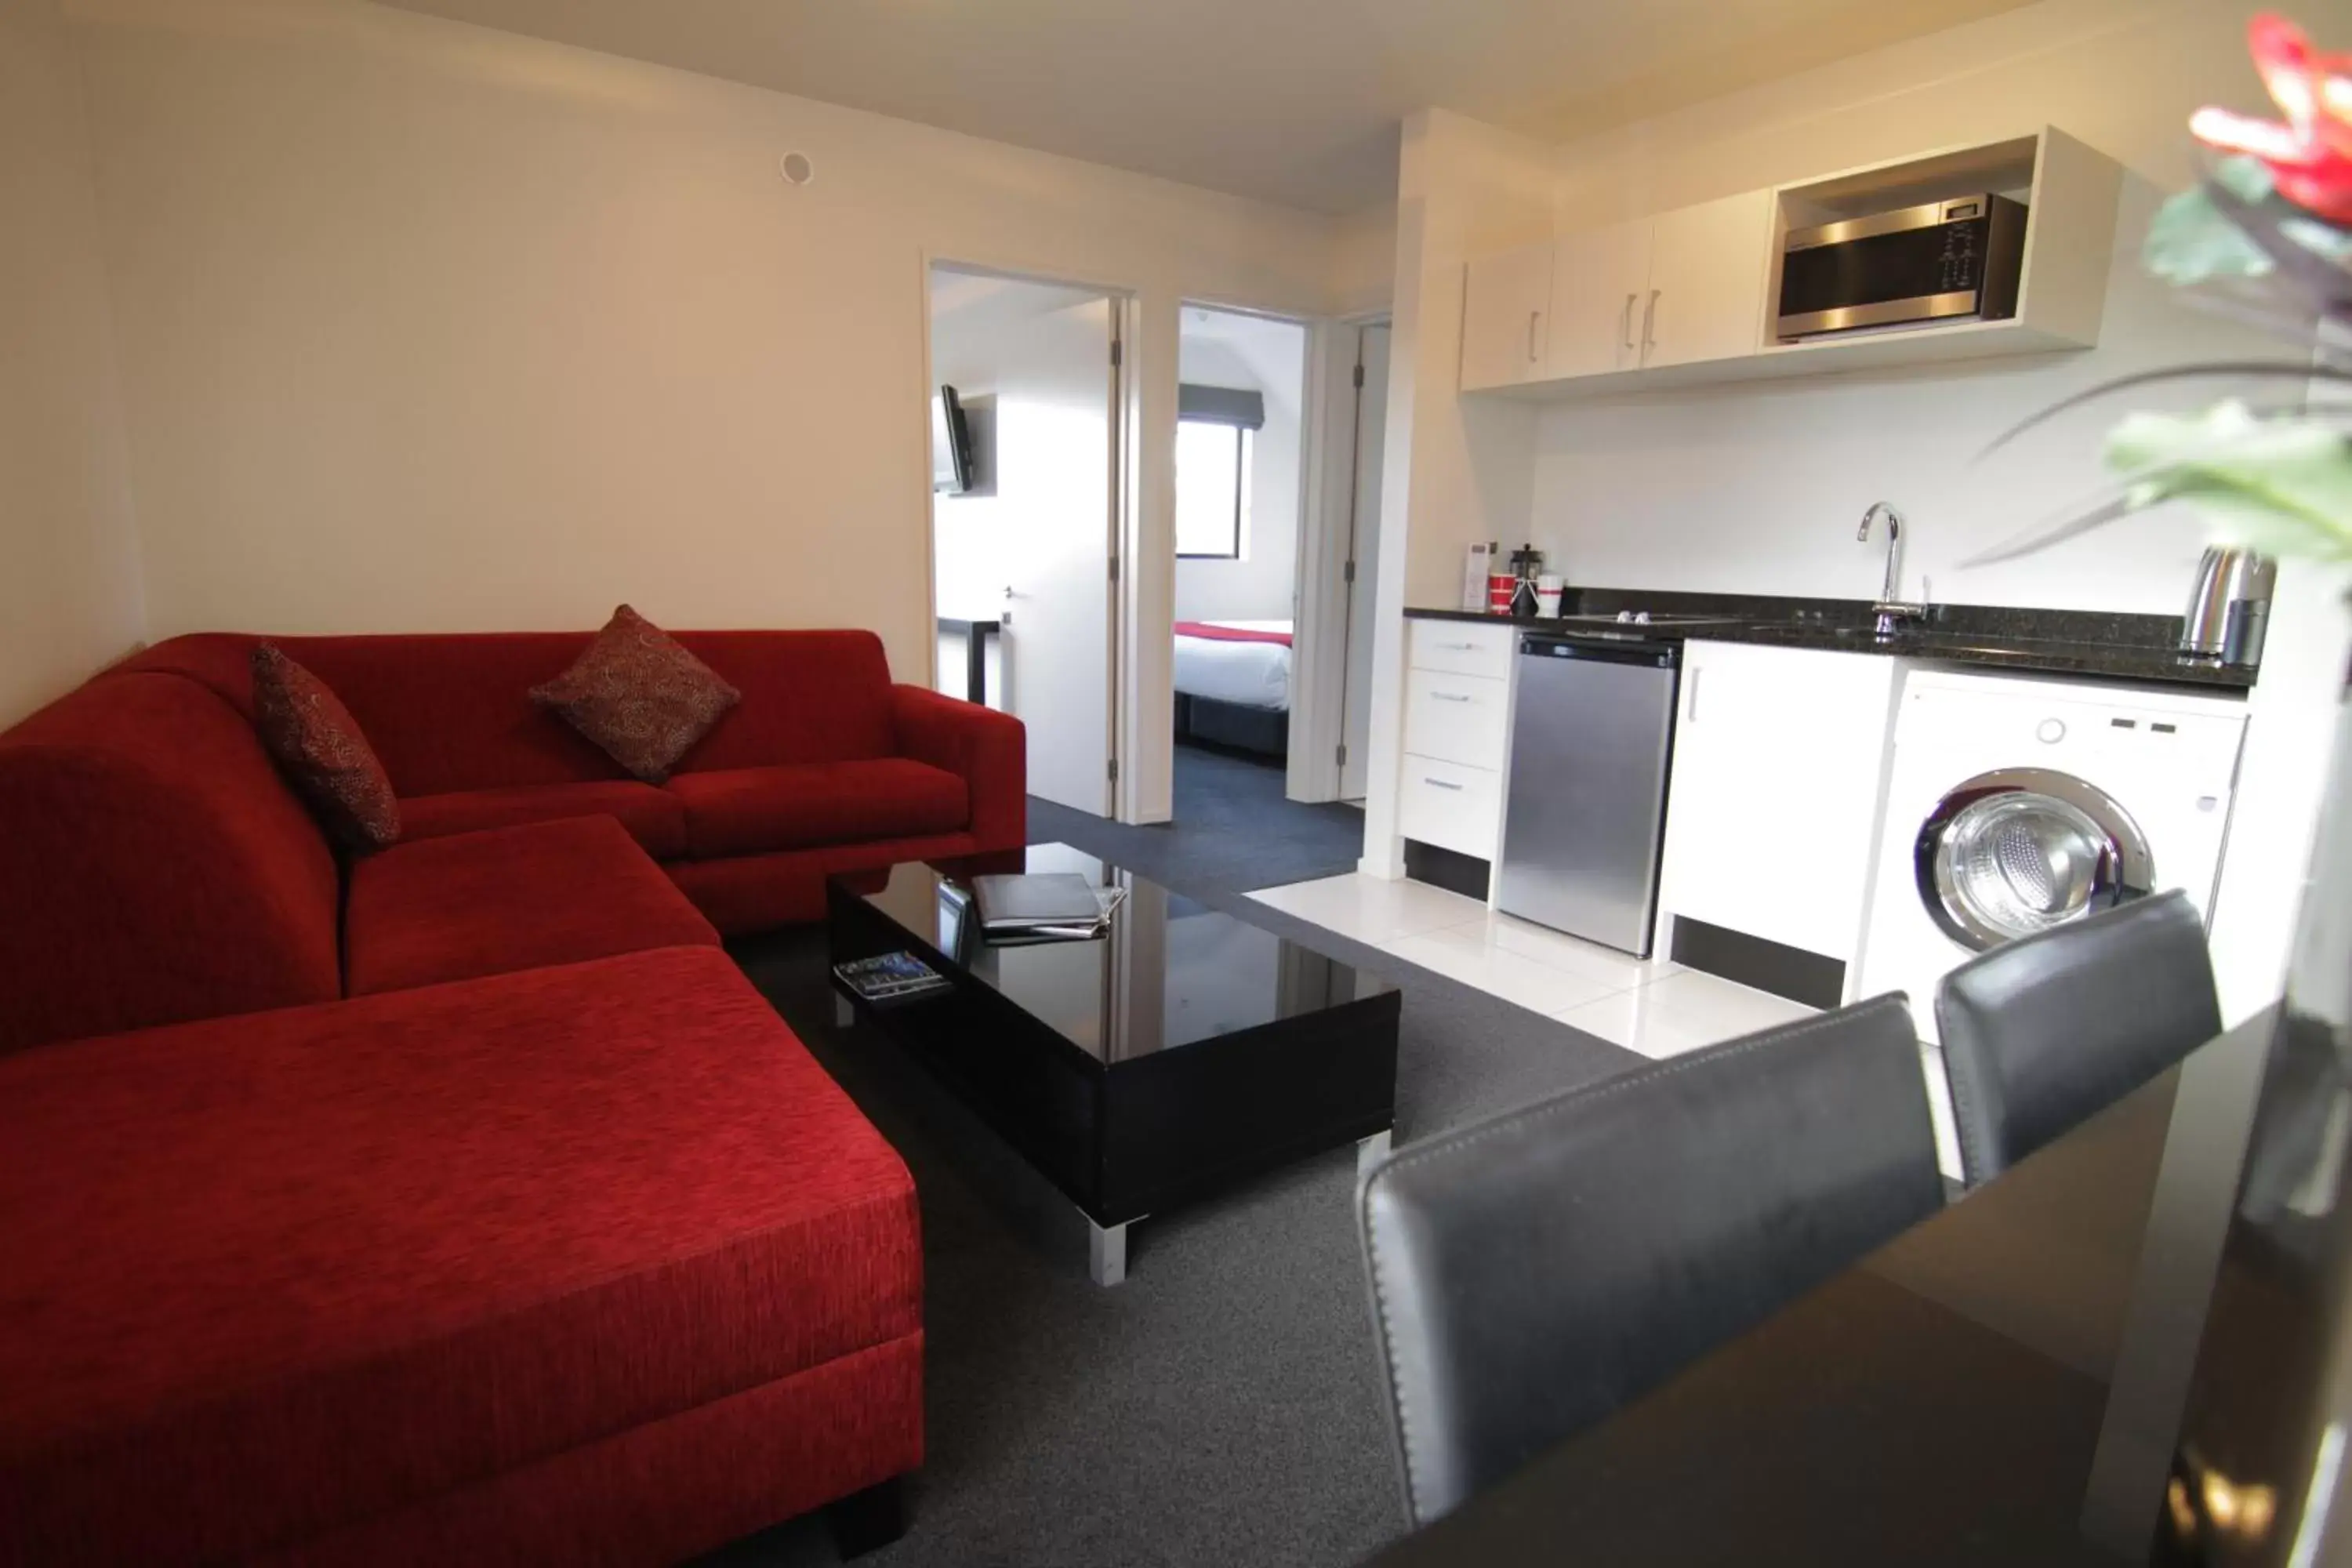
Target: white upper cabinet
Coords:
[(1677, 288), (1598, 279), (1505, 309), (1707, 270), (1691, 296)]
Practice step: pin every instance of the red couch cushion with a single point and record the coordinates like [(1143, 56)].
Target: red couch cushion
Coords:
[(514, 897), (450, 711), (748, 810), (153, 867), (444, 712), (654, 818), (808, 697), (271, 1274)]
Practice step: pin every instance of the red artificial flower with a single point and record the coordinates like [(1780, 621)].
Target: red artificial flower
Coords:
[(2309, 156)]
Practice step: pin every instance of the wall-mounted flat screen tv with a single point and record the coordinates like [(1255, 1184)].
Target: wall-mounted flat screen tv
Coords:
[(950, 445)]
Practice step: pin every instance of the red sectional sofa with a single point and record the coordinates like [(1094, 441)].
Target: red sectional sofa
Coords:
[(460, 1203)]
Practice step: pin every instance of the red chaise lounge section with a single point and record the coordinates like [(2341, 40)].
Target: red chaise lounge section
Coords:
[(384, 1276), (463, 1203)]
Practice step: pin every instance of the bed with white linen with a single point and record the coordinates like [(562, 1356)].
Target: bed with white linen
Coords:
[(1233, 684)]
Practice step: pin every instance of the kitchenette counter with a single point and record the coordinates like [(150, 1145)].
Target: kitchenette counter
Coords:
[(2054, 642)]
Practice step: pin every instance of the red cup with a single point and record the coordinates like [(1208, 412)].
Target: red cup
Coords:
[(1500, 587)]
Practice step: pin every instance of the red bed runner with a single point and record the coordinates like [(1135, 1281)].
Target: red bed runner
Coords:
[(1215, 633)]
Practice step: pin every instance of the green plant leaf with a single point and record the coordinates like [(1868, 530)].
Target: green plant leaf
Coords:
[(2281, 484), (2245, 177), (2191, 242)]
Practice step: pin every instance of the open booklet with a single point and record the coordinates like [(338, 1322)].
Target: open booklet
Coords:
[(1054, 906)]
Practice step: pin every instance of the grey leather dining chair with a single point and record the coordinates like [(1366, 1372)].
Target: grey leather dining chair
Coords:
[(1532, 1273), (2044, 1031)]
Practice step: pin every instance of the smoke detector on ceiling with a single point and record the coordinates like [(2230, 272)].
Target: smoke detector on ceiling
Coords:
[(798, 170)]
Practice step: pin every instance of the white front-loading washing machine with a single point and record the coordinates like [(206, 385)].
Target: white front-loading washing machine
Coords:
[(2017, 803)]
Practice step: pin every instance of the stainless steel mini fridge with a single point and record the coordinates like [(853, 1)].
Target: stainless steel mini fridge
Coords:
[(1592, 736)]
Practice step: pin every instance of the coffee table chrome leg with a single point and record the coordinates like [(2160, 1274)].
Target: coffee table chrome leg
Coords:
[(1107, 1253), (844, 1014), (1371, 1152)]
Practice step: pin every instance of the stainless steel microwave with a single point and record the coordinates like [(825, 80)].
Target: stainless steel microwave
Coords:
[(1946, 261)]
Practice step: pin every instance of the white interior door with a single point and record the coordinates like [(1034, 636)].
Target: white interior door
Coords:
[(1363, 557), (1036, 537)]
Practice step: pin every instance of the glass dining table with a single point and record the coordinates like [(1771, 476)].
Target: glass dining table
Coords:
[(2006, 1383)]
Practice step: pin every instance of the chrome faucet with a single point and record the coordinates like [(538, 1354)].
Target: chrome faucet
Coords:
[(1891, 611)]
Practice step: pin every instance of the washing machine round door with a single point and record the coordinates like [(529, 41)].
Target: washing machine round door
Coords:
[(2011, 853)]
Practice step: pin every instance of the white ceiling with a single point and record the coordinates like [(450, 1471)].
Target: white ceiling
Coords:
[(1296, 101)]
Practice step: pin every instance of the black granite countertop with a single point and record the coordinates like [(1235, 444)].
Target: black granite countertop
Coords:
[(2097, 643)]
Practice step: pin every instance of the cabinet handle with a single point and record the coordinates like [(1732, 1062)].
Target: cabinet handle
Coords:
[(1457, 697), (1691, 715), (1650, 321), (1441, 784), (1625, 320), (1460, 647), (1533, 317)]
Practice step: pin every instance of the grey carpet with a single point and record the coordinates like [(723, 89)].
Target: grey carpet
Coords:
[(1232, 829), (1223, 1407)]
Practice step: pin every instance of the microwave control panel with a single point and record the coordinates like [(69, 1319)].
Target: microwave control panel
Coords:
[(1963, 228)]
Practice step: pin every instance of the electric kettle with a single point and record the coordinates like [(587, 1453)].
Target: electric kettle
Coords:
[(2229, 607)]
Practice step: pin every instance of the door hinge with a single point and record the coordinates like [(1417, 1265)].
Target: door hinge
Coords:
[(1114, 770), (1342, 758), (1351, 572), (1359, 376), (1114, 568), (1116, 348)]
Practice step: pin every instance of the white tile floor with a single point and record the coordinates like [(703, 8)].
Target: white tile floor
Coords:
[(1652, 1005)]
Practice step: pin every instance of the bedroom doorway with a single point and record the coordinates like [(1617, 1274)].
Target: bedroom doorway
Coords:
[(1241, 429), (1026, 440)]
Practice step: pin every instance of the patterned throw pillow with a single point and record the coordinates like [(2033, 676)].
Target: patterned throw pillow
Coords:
[(316, 743), (639, 695)]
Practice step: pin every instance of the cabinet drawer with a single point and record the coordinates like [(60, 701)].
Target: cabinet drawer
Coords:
[(1450, 805), (1462, 647), (1456, 718)]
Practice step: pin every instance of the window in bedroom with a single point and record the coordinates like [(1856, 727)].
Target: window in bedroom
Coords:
[(1216, 430)]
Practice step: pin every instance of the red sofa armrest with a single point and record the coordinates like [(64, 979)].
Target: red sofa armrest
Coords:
[(989, 750)]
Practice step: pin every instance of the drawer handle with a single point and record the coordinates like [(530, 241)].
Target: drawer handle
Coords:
[(1460, 647), (1441, 784), (1449, 697)]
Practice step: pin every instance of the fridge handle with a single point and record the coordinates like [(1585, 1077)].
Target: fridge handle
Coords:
[(1690, 713)]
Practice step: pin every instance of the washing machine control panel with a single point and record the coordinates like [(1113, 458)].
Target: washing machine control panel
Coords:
[(2050, 731)]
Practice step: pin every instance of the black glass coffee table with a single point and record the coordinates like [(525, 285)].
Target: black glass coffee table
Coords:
[(1182, 1052)]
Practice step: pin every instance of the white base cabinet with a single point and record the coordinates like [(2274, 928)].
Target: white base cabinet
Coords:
[(1457, 735), (1772, 812)]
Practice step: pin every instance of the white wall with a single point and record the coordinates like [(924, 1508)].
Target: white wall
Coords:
[(429, 327), (68, 557), (1220, 348), (1758, 489), (1452, 469)]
